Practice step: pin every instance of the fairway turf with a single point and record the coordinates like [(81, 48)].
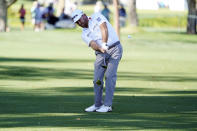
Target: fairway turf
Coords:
[(46, 82)]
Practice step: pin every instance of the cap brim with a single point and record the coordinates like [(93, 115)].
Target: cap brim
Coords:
[(77, 18)]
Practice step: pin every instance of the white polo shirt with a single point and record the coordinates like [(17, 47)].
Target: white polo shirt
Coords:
[(93, 31)]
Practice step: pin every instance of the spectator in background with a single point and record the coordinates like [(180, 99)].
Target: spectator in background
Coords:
[(122, 15), (33, 14), (63, 16), (22, 13), (98, 7), (106, 12), (38, 18), (50, 10), (69, 7), (39, 13), (48, 14)]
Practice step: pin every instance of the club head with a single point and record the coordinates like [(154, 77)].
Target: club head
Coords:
[(104, 66), (98, 82)]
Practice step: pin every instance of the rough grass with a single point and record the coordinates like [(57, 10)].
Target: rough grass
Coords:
[(46, 82)]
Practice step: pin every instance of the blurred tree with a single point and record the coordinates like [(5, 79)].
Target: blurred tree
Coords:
[(94, 1), (133, 13), (116, 17), (89, 1), (4, 5), (192, 17), (60, 7)]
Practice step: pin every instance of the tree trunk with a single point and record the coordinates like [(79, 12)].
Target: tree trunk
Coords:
[(116, 17), (133, 13), (191, 19), (10, 2), (3, 15), (4, 4), (60, 7)]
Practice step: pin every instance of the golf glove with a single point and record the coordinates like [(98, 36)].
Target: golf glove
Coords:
[(104, 46)]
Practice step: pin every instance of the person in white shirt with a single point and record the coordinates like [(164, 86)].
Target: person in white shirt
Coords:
[(33, 14), (98, 7), (99, 34)]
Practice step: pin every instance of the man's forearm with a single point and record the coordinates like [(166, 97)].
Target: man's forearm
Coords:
[(96, 47), (104, 32)]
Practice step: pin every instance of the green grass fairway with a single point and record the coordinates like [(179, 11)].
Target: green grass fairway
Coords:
[(46, 82)]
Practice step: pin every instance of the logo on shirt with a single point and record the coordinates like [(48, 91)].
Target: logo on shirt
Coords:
[(98, 19), (95, 26), (88, 35)]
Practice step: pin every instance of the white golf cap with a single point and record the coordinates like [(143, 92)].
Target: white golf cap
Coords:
[(76, 15)]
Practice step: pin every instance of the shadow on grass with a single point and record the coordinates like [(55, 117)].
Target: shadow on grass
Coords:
[(132, 91), (184, 37), (176, 36), (156, 77), (35, 73), (42, 108), (7, 59)]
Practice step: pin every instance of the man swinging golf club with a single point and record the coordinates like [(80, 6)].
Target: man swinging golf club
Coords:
[(99, 34)]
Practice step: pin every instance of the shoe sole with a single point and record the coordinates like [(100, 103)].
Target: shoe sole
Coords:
[(90, 111), (105, 112)]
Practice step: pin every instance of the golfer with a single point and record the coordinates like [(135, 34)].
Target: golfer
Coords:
[(99, 34)]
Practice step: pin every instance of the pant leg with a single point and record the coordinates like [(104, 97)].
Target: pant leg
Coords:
[(98, 79), (111, 73)]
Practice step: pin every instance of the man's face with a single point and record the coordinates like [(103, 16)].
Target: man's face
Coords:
[(83, 21)]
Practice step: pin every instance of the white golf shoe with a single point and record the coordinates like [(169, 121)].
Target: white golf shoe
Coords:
[(91, 108), (104, 108)]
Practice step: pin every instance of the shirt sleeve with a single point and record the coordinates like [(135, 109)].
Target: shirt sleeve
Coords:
[(86, 38), (99, 18)]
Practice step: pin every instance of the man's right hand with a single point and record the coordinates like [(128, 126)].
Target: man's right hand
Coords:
[(96, 47), (102, 50), (104, 46)]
